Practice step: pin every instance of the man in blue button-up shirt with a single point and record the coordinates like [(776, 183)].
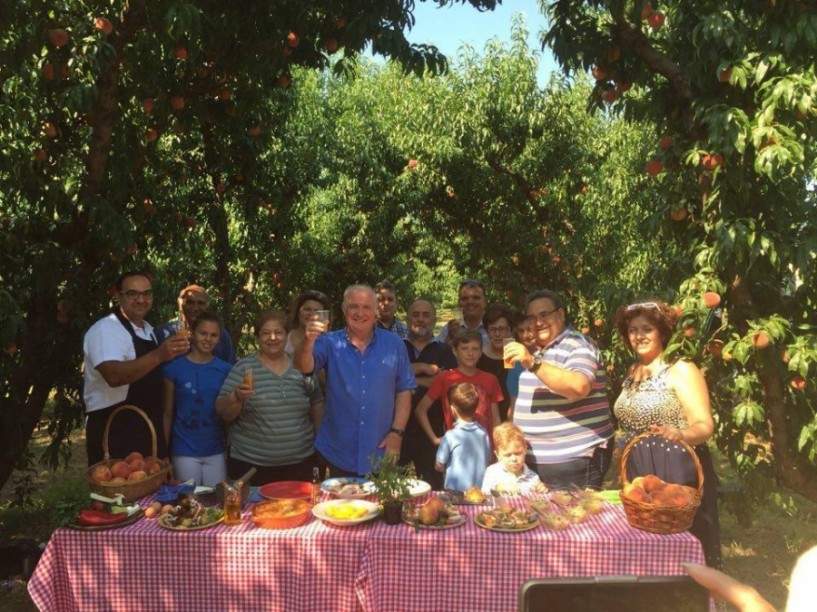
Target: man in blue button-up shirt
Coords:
[(369, 381)]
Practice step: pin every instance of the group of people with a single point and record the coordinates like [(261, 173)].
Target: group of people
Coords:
[(338, 399)]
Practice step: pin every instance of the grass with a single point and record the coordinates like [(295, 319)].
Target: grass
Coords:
[(761, 553)]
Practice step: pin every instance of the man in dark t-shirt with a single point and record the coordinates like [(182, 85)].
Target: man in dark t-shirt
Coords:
[(428, 358)]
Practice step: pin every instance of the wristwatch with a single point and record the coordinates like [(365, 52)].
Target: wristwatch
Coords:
[(537, 363), (399, 432)]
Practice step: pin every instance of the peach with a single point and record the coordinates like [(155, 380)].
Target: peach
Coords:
[(118, 480), (137, 475), (167, 509), (134, 455), (652, 483), (101, 473), (137, 465), (635, 494), (121, 469), (638, 481), (155, 468), (672, 488)]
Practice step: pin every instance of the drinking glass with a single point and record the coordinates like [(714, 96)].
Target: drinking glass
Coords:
[(508, 361)]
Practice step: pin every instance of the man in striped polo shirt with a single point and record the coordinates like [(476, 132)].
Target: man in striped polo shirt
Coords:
[(562, 405)]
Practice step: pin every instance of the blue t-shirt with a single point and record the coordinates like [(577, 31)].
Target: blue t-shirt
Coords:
[(197, 431), (360, 390), (465, 451)]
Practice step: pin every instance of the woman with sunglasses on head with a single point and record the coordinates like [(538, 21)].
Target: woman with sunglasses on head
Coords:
[(193, 432), (303, 309), (668, 398)]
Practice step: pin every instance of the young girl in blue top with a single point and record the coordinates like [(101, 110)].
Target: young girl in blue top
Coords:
[(193, 432)]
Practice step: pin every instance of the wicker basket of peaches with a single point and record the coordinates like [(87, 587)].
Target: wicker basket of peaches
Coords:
[(134, 476), (657, 506)]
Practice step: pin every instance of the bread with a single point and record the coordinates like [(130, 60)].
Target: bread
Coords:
[(474, 496)]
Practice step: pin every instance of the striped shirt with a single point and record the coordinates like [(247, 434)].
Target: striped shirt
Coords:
[(274, 426), (560, 429)]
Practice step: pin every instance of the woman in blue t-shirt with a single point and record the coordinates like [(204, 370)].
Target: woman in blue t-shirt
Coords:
[(193, 432)]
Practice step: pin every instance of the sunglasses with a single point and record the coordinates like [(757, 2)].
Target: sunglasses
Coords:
[(641, 305), (471, 282)]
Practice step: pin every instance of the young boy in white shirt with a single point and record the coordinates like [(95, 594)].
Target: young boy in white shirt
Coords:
[(510, 475)]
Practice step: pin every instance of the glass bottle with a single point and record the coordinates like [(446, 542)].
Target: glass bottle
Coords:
[(316, 484), (232, 502)]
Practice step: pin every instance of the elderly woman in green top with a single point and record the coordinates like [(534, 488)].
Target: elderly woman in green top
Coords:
[(274, 415)]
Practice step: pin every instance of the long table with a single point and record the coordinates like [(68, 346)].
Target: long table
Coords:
[(369, 567)]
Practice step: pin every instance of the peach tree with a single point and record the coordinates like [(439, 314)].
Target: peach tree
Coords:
[(730, 90), (138, 133)]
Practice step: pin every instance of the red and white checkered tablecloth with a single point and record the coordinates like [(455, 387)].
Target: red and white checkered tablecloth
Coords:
[(144, 566), (470, 568), (372, 566)]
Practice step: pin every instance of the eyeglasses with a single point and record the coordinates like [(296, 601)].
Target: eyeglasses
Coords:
[(643, 305), (496, 331), (545, 314), (132, 294)]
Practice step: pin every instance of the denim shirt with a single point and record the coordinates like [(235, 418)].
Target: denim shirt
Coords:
[(360, 392)]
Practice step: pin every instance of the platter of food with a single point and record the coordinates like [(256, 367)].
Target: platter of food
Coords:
[(190, 515), (507, 520), (434, 514), (281, 513), (287, 489), (345, 512), (348, 488), (100, 522), (471, 497)]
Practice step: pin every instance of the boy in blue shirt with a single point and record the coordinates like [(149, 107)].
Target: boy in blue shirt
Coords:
[(465, 449)]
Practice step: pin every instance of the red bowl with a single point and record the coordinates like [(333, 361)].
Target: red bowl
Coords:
[(281, 513), (287, 489)]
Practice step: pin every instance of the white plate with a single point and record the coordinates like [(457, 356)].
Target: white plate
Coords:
[(333, 484), (372, 510), (416, 488)]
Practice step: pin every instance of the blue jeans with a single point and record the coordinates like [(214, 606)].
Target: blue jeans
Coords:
[(583, 472)]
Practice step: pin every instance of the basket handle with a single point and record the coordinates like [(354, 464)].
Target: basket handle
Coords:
[(626, 454), (140, 412)]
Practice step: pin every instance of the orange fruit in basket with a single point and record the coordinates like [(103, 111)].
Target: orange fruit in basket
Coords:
[(652, 483), (137, 465), (101, 473), (121, 469), (118, 480), (134, 455), (137, 475), (659, 497), (634, 493)]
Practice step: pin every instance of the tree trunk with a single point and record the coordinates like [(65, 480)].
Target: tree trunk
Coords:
[(792, 472)]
